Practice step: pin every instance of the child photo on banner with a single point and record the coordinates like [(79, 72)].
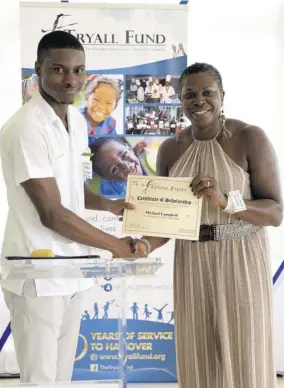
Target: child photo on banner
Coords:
[(103, 110)]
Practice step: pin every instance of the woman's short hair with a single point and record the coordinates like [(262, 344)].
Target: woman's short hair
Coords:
[(95, 80), (201, 68)]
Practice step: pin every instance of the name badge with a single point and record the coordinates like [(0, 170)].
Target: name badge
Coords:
[(87, 169), (87, 164)]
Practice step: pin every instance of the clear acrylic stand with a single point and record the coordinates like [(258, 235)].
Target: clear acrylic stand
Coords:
[(23, 268)]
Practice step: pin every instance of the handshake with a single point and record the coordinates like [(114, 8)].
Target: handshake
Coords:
[(132, 249)]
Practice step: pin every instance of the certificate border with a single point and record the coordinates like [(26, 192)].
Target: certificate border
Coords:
[(157, 234)]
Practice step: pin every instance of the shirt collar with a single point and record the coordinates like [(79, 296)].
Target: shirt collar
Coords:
[(47, 110)]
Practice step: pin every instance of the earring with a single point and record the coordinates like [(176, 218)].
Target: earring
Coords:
[(226, 133), (222, 115)]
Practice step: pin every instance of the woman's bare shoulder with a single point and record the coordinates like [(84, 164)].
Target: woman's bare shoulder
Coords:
[(241, 128), (248, 136)]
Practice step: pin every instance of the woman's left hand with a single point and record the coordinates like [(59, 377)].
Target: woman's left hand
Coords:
[(207, 187)]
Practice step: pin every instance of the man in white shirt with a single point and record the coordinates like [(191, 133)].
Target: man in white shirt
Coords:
[(140, 92), (152, 91), (181, 51), (133, 86), (167, 92), (42, 149)]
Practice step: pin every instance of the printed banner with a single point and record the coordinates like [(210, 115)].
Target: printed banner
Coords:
[(150, 325), (138, 96), (278, 312), (131, 104)]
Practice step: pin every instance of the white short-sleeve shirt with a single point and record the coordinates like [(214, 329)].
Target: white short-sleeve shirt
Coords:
[(166, 93), (35, 144)]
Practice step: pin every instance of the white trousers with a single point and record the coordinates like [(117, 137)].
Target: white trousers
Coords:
[(45, 332)]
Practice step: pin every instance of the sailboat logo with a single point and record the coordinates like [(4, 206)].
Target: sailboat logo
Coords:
[(59, 23)]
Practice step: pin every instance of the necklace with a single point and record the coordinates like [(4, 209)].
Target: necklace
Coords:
[(225, 135)]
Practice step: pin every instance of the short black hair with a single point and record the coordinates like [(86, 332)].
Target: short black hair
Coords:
[(57, 40), (96, 147), (201, 68)]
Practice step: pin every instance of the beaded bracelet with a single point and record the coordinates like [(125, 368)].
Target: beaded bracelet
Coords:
[(147, 245)]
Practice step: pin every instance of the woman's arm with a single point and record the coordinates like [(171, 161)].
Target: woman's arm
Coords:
[(266, 208)]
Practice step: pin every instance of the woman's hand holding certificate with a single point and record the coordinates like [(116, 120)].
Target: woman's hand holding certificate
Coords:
[(164, 207)]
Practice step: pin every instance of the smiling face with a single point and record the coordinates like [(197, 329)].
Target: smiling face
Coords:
[(119, 161), (202, 99), (101, 102), (61, 74)]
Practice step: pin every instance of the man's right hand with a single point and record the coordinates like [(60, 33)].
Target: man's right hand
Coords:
[(45, 196), (125, 249)]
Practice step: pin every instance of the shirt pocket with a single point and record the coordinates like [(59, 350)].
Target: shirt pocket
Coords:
[(59, 155), (60, 162), (77, 164)]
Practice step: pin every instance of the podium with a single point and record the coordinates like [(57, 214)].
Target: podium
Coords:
[(89, 267)]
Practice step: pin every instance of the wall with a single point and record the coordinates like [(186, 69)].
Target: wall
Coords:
[(244, 40), (10, 78), (10, 101)]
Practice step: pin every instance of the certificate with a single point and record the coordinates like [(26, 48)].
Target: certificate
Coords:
[(165, 207)]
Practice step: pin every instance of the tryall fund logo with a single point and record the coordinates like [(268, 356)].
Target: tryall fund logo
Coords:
[(59, 24), (67, 23)]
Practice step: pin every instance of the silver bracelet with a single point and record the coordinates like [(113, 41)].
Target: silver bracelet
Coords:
[(147, 245)]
